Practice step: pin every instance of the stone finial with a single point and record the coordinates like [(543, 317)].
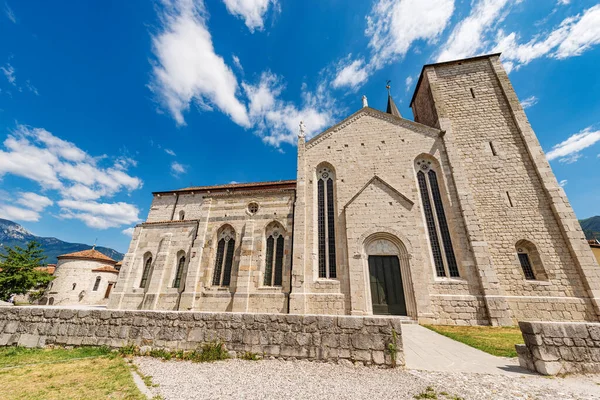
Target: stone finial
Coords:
[(365, 102), (302, 130)]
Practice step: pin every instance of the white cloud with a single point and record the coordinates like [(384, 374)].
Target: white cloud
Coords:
[(469, 35), (34, 201), (56, 164), (409, 81), (237, 63), (392, 27), (251, 11), (569, 151), (352, 74), (187, 68), (170, 152), (277, 121), (563, 183), (99, 215), (177, 168), (9, 13), (128, 231), (573, 36), (9, 72), (563, 2), (31, 88), (18, 214), (529, 102)]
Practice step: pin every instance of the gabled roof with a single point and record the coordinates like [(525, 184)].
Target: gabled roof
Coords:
[(106, 268), (286, 184), (91, 254), (376, 178), (406, 123)]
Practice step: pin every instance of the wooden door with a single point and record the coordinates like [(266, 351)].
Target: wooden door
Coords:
[(108, 289), (387, 292)]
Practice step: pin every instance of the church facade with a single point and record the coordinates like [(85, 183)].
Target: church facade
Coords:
[(453, 218)]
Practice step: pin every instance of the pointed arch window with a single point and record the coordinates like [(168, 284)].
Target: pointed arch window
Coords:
[(326, 223), (179, 272), (224, 257), (274, 256), (146, 273), (435, 219), (181, 215), (97, 283)]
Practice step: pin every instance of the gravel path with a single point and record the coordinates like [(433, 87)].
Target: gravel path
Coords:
[(275, 379)]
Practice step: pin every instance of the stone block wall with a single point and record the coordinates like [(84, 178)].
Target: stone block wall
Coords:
[(313, 337), (553, 348)]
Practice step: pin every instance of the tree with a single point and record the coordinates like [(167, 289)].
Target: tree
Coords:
[(19, 270)]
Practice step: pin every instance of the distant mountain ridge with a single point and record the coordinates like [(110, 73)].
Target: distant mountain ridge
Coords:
[(12, 234), (591, 227)]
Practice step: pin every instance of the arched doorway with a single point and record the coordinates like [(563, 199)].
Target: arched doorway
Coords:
[(388, 273)]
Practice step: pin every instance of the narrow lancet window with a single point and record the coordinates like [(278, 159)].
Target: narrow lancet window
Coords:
[(326, 223), (179, 272), (224, 257), (97, 283), (437, 224), (146, 273), (274, 255)]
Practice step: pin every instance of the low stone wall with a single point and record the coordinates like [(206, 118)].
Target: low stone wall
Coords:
[(553, 348), (314, 337)]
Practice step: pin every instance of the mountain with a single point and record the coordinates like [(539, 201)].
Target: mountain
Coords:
[(591, 227), (12, 234)]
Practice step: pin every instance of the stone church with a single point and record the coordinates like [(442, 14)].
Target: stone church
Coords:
[(453, 218)]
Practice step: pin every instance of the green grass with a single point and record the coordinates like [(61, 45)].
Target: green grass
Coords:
[(15, 356), (49, 374), (498, 341)]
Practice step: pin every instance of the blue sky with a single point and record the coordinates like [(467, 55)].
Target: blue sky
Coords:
[(102, 103)]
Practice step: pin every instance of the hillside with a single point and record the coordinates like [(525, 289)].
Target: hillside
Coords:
[(591, 227), (12, 234)]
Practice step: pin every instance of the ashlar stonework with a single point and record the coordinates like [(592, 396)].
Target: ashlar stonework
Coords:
[(453, 218)]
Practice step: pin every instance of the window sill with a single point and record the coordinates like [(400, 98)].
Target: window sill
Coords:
[(218, 288), (327, 282), (451, 281), (272, 288), (536, 282)]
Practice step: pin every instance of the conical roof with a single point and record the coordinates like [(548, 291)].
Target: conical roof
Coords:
[(91, 254), (391, 107)]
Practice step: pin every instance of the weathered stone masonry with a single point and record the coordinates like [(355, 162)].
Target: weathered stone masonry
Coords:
[(313, 337), (553, 348), (495, 197)]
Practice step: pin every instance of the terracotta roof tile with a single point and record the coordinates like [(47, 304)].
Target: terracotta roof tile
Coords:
[(105, 268), (91, 254)]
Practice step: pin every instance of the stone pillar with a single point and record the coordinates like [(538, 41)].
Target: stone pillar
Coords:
[(193, 277), (126, 274), (297, 297), (157, 276), (245, 268)]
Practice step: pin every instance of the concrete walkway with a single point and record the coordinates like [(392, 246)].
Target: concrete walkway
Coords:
[(430, 351)]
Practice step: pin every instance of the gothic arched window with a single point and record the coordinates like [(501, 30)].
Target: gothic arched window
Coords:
[(224, 258), (326, 222), (179, 272), (146, 273), (435, 219), (97, 283), (181, 215), (274, 255)]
